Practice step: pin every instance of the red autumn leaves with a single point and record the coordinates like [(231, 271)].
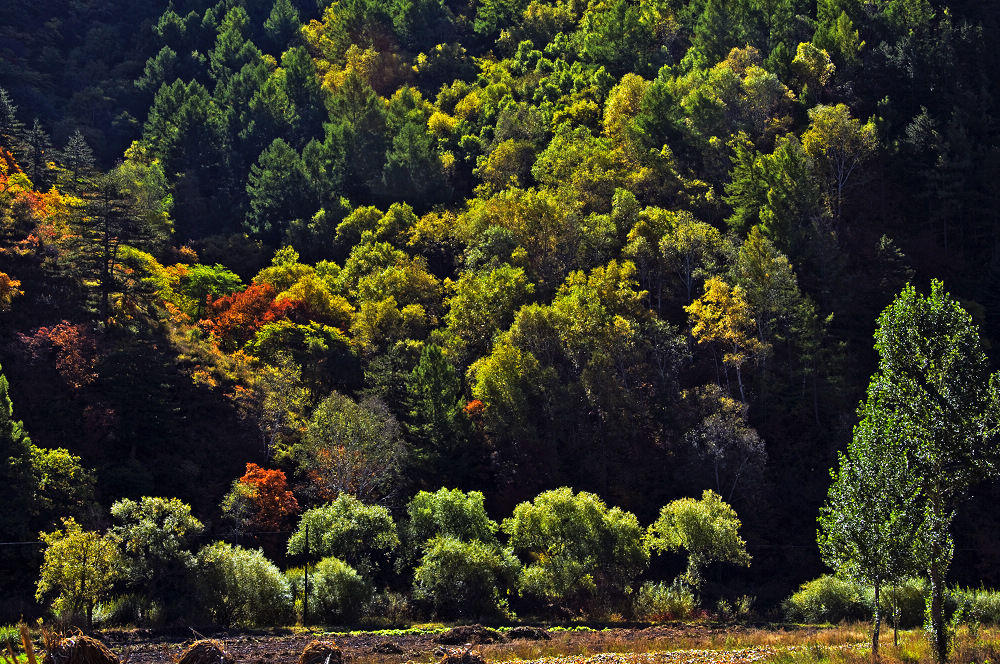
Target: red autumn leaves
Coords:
[(268, 493)]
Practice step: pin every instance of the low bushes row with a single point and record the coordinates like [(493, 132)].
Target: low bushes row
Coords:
[(830, 599), (565, 552)]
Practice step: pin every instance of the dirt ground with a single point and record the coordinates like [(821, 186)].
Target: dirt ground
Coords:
[(663, 643)]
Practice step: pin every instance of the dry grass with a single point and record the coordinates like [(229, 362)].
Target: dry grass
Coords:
[(642, 641), (979, 648), (205, 651), (844, 644), (665, 639)]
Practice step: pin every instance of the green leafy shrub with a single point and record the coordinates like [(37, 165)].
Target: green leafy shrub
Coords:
[(157, 538), (980, 605), (908, 598), (658, 602), (79, 570), (449, 513), (707, 529), (465, 579), (743, 608), (580, 550), (827, 599), (361, 535), (337, 592), (391, 608), (241, 588), (127, 609), (9, 634)]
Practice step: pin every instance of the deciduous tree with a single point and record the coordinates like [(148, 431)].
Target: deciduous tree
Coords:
[(579, 550), (352, 448), (936, 385), (79, 570), (869, 526), (260, 500), (362, 535), (839, 145), (707, 529), (723, 316)]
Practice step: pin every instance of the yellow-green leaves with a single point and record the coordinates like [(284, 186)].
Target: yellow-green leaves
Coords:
[(577, 546), (722, 315), (707, 529), (812, 66), (838, 144), (79, 569)]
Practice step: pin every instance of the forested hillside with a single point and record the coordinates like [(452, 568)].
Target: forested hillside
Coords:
[(377, 247)]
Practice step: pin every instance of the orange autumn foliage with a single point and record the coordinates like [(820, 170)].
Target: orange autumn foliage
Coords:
[(290, 309), (268, 493), (234, 319), (474, 409), (33, 220)]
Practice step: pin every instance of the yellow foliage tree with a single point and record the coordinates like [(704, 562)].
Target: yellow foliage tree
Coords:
[(79, 569), (722, 316), (9, 289), (838, 144)]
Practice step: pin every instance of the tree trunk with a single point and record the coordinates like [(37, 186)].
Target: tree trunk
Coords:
[(939, 639), (876, 623), (937, 569), (895, 616)]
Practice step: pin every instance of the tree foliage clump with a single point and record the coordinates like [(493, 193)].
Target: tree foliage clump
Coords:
[(630, 246), (935, 390), (470, 579), (707, 530), (578, 550), (79, 570), (158, 537), (242, 588), (449, 513), (363, 536), (337, 592)]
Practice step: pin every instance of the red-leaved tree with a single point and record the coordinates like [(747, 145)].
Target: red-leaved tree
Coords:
[(72, 347), (270, 501), (234, 319)]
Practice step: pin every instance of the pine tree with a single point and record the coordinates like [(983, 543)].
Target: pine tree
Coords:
[(15, 467), (11, 129), (125, 207), (77, 155), (278, 190), (37, 153), (232, 49), (714, 32), (282, 25), (358, 123), (301, 86), (14, 442), (444, 450)]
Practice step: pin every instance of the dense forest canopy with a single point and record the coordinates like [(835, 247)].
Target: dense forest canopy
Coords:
[(263, 257)]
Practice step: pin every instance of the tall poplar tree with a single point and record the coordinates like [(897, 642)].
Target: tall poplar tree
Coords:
[(937, 385), (869, 525)]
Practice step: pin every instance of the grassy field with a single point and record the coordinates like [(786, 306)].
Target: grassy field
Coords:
[(734, 644), (678, 643)]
